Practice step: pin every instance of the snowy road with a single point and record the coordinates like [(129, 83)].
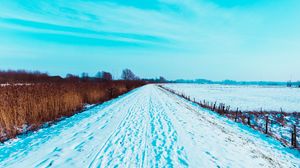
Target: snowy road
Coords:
[(148, 127)]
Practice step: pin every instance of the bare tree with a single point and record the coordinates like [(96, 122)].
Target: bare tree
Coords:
[(162, 79), (127, 74), (84, 76), (98, 75), (106, 76)]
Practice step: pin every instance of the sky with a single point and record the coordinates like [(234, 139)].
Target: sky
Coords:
[(212, 39)]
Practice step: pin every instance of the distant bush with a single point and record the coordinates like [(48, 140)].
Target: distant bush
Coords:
[(27, 107)]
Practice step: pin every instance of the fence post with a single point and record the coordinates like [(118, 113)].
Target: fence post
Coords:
[(249, 121), (214, 106), (267, 122), (236, 114), (294, 137)]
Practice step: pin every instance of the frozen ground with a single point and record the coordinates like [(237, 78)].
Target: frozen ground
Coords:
[(246, 98), (148, 127)]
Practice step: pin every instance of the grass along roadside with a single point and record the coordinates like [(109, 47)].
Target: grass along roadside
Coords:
[(27, 107)]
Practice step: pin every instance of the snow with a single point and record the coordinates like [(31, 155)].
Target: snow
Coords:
[(14, 84), (148, 127), (246, 98)]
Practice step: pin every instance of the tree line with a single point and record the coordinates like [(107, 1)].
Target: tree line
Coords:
[(22, 76)]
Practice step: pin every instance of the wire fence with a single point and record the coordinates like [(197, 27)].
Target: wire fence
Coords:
[(280, 125)]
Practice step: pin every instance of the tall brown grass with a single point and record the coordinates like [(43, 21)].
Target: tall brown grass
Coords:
[(27, 107)]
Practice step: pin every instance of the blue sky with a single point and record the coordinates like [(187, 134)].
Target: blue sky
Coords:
[(213, 39)]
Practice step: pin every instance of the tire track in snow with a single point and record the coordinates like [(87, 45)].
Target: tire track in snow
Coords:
[(146, 137), (99, 123), (118, 139)]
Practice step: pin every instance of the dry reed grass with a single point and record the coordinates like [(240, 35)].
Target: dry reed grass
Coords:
[(27, 107)]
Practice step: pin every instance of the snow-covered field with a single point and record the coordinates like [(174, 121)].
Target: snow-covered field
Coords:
[(147, 127), (246, 98)]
